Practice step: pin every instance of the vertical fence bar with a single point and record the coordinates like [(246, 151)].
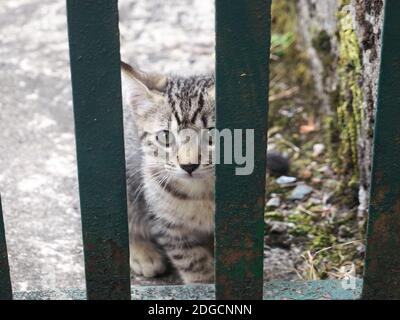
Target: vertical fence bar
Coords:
[(96, 83), (5, 281), (382, 264), (243, 39)]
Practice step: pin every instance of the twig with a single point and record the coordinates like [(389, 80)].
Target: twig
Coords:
[(310, 213), (284, 94), (290, 145), (335, 246)]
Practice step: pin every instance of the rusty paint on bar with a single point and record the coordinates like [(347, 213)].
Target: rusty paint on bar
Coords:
[(242, 51), (96, 82), (382, 264), (5, 281)]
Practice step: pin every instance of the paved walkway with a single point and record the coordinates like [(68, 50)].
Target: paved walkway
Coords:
[(38, 179)]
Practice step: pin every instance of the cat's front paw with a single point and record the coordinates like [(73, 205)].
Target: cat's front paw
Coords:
[(146, 260)]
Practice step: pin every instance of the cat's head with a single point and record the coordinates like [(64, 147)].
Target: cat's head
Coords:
[(175, 118)]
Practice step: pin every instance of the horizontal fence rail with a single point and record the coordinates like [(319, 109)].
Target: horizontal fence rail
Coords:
[(5, 281), (96, 83), (242, 51), (273, 290), (382, 264)]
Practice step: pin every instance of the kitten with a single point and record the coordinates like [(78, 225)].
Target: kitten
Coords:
[(170, 189)]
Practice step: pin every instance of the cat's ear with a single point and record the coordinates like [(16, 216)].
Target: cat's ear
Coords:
[(138, 85)]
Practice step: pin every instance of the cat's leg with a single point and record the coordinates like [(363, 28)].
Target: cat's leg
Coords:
[(146, 259), (194, 262)]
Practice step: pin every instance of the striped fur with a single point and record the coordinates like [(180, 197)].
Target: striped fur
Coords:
[(171, 212)]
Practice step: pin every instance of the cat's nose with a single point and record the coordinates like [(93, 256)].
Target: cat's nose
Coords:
[(189, 168)]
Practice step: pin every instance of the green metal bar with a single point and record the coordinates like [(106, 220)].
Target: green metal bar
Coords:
[(96, 83), (382, 264), (5, 281), (243, 39)]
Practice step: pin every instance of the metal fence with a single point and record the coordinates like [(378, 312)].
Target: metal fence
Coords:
[(242, 51)]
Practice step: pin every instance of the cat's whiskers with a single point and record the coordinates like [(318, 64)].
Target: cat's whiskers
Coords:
[(141, 187)]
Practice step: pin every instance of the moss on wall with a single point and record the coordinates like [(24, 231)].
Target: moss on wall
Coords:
[(322, 42), (342, 126), (350, 100), (284, 16)]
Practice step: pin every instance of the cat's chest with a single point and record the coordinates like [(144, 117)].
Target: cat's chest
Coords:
[(196, 214)]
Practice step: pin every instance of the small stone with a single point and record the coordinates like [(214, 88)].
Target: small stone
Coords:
[(318, 149), (300, 192), (316, 180), (331, 184), (305, 174), (279, 227), (274, 202), (326, 170), (344, 232), (285, 180)]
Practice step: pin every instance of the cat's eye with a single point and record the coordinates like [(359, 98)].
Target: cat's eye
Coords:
[(165, 138)]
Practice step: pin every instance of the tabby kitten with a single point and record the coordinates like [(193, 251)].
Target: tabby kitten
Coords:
[(170, 189)]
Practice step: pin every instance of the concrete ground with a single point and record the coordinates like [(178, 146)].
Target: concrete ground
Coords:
[(38, 178)]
